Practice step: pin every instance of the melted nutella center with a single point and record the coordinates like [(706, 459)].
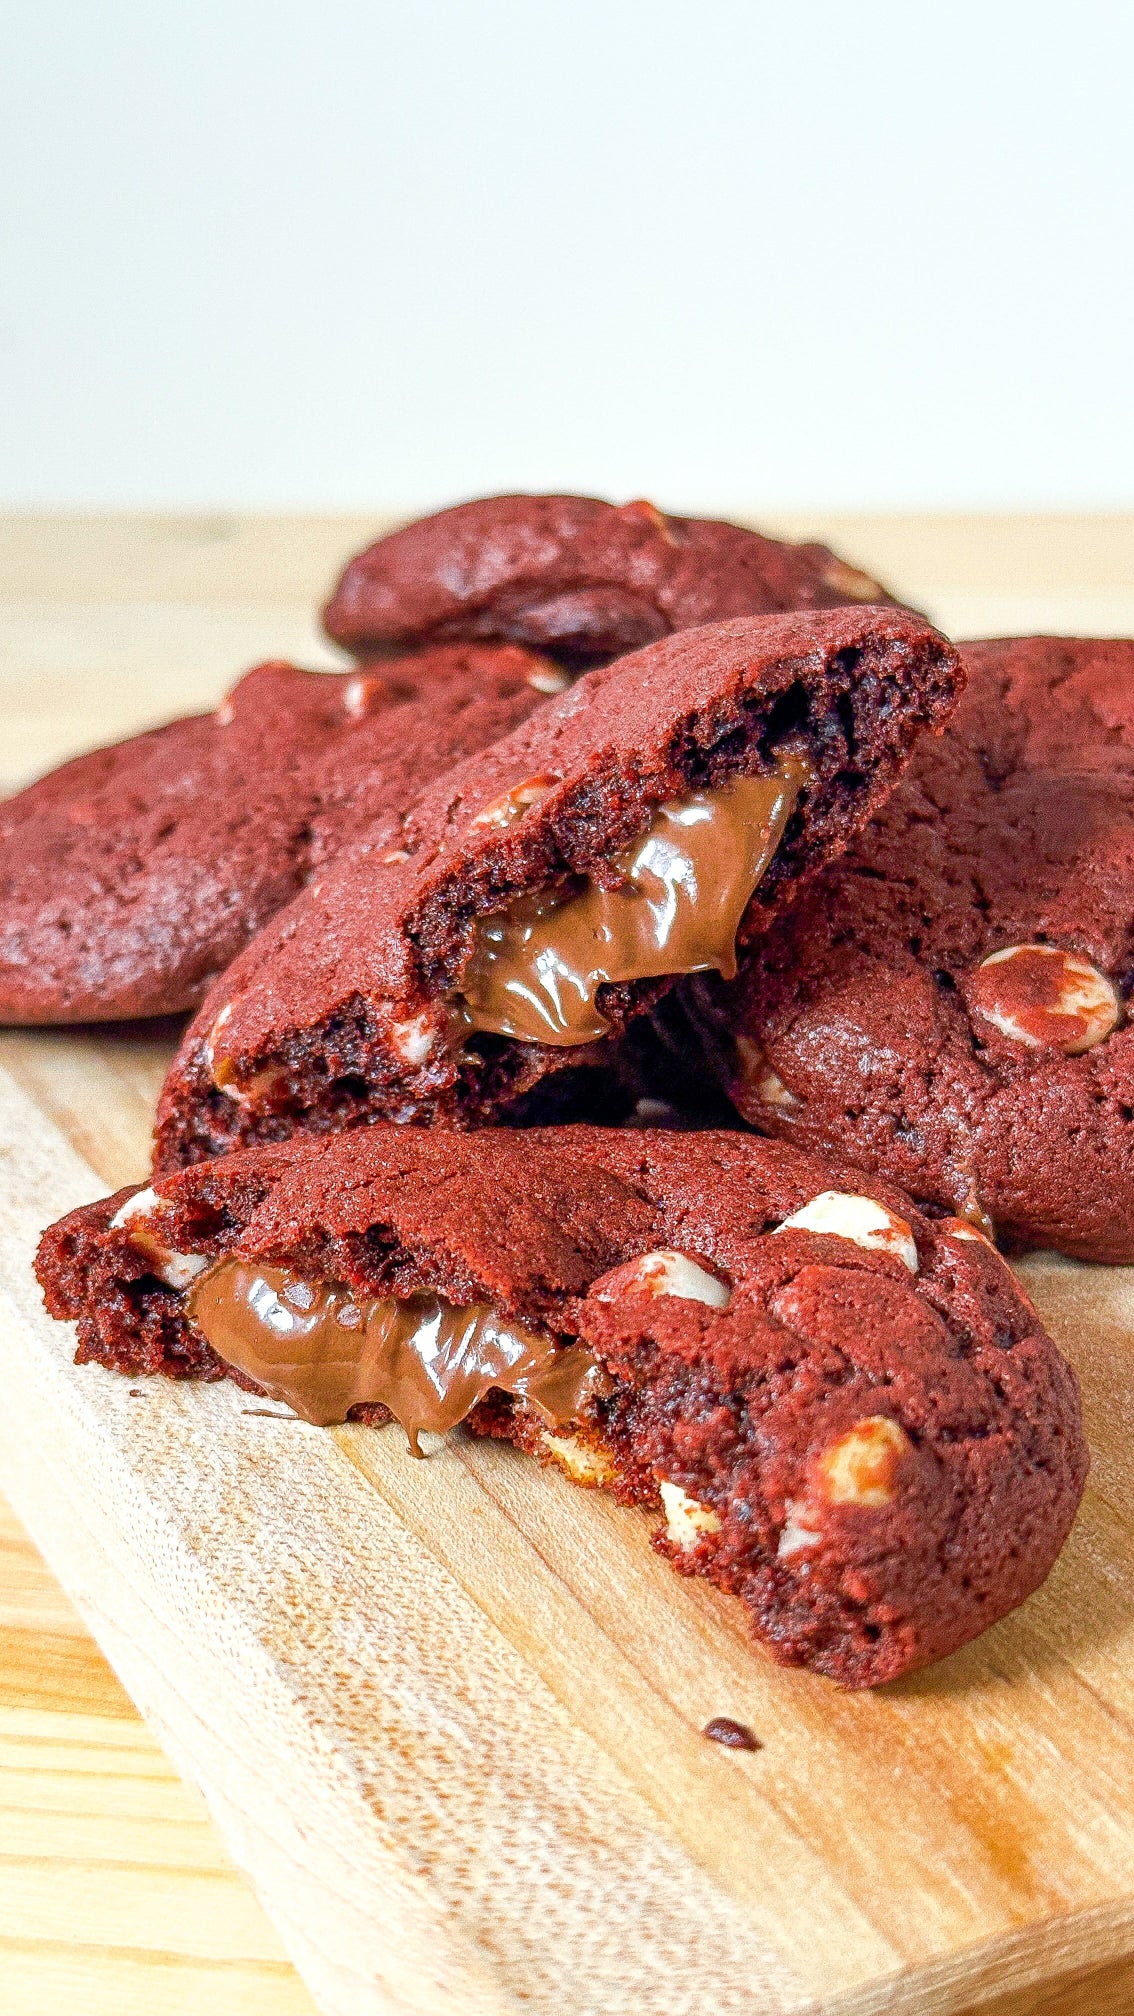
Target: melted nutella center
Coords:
[(322, 1350), (536, 967)]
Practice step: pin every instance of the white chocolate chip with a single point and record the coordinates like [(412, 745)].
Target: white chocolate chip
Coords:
[(653, 1113), (549, 680), (686, 1519), (1042, 996), (413, 1040), (771, 1091), (960, 1228), (262, 1085), (210, 1052), (668, 1273), (512, 805), (764, 1084), (393, 856), (972, 1212), (363, 693), (852, 582), (224, 1016), (796, 1535), (859, 1468), (225, 1082), (225, 714), (845, 1216), (141, 1202), (175, 1269), (178, 1269), (583, 1462)]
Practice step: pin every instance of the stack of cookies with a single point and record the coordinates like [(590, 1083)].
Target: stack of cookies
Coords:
[(633, 1010)]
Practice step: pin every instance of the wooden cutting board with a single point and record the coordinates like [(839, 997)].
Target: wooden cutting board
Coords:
[(447, 1714)]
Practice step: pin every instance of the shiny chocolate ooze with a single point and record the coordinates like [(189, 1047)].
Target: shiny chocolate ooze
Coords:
[(322, 1350), (536, 968)]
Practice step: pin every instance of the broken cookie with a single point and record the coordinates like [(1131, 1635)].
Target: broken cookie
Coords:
[(546, 891), (848, 1415)]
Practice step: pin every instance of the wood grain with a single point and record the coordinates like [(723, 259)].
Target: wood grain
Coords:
[(448, 1714), (115, 1891)]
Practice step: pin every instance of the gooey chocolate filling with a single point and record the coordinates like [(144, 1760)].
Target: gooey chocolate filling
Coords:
[(322, 1350), (536, 967)]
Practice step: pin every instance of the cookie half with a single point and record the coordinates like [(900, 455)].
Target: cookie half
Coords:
[(579, 578), (951, 1003), (551, 888), (849, 1415), (130, 877)]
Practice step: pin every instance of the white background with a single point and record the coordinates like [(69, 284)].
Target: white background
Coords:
[(731, 255)]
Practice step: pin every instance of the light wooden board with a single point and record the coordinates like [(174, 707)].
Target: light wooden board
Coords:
[(447, 1714), (116, 1893)]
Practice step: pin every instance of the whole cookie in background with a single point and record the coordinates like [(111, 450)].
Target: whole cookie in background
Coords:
[(129, 878), (849, 1416), (951, 1003), (576, 577), (549, 889)]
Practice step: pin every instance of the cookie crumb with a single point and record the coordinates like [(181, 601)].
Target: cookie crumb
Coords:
[(734, 1735)]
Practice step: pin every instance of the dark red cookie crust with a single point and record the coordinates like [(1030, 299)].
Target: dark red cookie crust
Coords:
[(868, 1002), (742, 1409), (323, 1001), (130, 877), (574, 576)]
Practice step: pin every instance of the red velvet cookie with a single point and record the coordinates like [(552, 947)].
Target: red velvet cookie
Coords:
[(576, 577), (849, 1414), (130, 878), (550, 888), (951, 1003)]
